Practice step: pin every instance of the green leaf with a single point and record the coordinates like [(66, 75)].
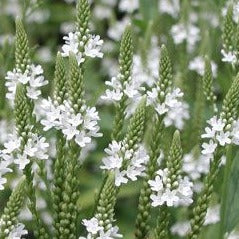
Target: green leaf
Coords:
[(148, 9), (230, 205)]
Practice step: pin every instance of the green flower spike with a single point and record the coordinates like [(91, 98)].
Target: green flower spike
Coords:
[(144, 208), (229, 114), (174, 165), (125, 65), (108, 194), (82, 21), (22, 48), (208, 84), (11, 211), (228, 30), (66, 228), (23, 107), (59, 165)]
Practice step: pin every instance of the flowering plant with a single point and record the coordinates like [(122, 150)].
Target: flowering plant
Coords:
[(109, 140)]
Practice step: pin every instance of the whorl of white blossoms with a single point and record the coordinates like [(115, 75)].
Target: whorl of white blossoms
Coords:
[(81, 127), (218, 136), (125, 164), (175, 110), (229, 56), (92, 47), (94, 230), (33, 78), (17, 232), (198, 64), (171, 7), (189, 33), (162, 193), (118, 90), (36, 147), (128, 5), (143, 74)]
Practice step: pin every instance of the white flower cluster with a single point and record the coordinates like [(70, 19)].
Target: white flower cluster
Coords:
[(17, 232), (96, 231), (36, 147), (175, 109), (128, 5), (81, 126), (217, 135), (32, 77), (171, 7), (118, 90), (197, 64), (195, 168), (142, 75), (126, 164), (92, 48), (189, 33), (163, 194)]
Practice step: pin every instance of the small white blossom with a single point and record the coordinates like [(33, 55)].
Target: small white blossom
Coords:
[(229, 57), (209, 148), (17, 232), (22, 161), (92, 225)]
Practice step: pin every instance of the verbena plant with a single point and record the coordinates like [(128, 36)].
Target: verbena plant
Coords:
[(175, 167)]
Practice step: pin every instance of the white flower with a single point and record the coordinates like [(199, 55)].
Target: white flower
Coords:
[(213, 215), (128, 5), (229, 57), (17, 232), (177, 115), (92, 225), (156, 184), (181, 228), (170, 7), (223, 138), (198, 65), (189, 33), (11, 145), (71, 44), (185, 192), (170, 197), (120, 177), (82, 139), (209, 133), (115, 31), (93, 47), (195, 167), (112, 162), (157, 200), (217, 124), (2, 182), (22, 161), (209, 148)]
